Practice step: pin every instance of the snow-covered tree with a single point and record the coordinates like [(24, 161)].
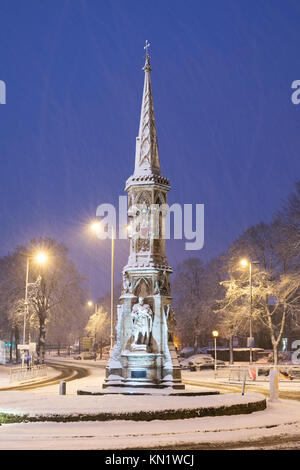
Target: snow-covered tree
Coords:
[(56, 292), (275, 284), (98, 327)]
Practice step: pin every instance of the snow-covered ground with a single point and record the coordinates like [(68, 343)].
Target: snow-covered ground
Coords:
[(280, 419), (25, 403)]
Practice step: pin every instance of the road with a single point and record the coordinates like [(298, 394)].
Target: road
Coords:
[(66, 372), (293, 394)]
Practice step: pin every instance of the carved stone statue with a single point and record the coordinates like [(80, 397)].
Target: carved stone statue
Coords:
[(169, 314), (161, 285), (127, 284), (142, 322)]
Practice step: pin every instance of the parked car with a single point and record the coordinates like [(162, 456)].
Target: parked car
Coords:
[(85, 355), (188, 352), (199, 362)]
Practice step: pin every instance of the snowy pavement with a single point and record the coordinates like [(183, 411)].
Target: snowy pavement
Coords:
[(46, 403), (280, 420), (207, 376)]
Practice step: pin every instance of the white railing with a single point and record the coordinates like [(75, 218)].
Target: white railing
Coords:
[(21, 374), (258, 373)]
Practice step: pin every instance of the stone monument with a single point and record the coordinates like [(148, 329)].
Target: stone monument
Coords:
[(144, 354)]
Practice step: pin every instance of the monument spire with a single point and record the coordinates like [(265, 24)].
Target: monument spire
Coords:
[(146, 154)]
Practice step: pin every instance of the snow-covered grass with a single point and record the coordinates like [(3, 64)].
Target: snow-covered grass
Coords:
[(279, 419), (17, 406)]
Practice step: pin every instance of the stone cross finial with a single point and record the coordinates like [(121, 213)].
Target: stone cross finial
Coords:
[(146, 46), (147, 67)]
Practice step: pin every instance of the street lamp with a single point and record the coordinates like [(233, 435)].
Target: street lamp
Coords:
[(95, 227), (40, 258), (244, 263), (92, 304), (215, 334)]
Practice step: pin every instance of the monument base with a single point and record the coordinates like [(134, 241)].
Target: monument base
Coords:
[(136, 385), (159, 391), (142, 370)]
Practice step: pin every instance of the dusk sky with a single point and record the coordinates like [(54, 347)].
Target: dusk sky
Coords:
[(228, 132)]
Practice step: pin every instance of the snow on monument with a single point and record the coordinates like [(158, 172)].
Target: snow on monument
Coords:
[(144, 354)]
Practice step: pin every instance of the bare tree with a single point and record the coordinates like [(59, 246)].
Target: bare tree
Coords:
[(98, 326), (58, 289), (195, 289), (275, 287)]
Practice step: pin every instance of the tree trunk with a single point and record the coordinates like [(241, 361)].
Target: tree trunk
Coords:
[(275, 354), (17, 340), (230, 350), (41, 342), (11, 345)]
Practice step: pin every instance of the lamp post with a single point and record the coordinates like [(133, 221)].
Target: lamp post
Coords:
[(91, 304), (112, 288), (244, 263), (215, 334), (40, 258), (95, 226)]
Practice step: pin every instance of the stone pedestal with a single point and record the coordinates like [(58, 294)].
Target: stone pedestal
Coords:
[(153, 365), (142, 371)]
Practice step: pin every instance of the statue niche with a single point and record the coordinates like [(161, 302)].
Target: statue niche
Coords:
[(142, 322), (142, 288)]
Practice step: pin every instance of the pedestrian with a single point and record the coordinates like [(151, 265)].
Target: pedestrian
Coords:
[(28, 360)]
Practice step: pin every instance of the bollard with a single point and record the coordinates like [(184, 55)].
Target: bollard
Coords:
[(244, 381), (274, 388), (62, 387)]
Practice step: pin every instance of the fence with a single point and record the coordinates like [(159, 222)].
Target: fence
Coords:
[(20, 374), (258, 373)]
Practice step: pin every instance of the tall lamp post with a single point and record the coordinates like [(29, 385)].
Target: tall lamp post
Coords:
[(39, 258), (244, 263), (112, 288), (96, 226), (215, 334)]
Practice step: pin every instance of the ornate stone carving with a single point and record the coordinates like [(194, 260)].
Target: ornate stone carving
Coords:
[(142, 322), (114, 361), (127, 284), (162, 285), (142, 245), (171, 322)]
